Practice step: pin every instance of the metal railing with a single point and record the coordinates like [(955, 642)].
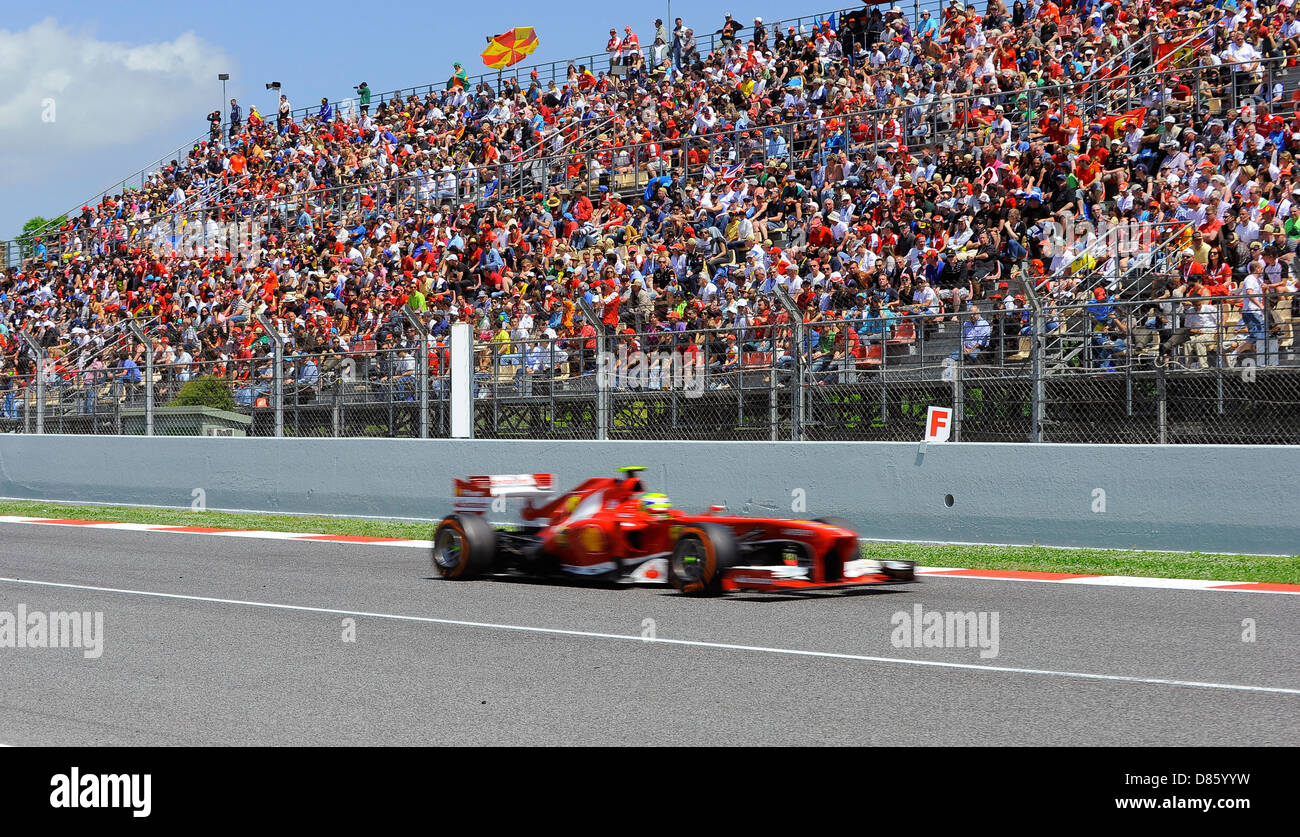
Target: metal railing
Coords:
[(1219, 88)]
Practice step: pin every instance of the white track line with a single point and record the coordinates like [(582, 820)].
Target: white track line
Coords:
[(727, 646)]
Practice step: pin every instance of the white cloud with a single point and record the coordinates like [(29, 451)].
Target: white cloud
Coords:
[(104, 94)]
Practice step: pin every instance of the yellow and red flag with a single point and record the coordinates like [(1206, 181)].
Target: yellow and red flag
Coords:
[(1179, 53), (1116, 125), (509, 48)]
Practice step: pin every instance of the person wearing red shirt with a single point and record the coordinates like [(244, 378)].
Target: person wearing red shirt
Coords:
[(1218, 276), (854, 344), (1073, 126), (1052, 130), (582, 209), (587, 334), (614, 46), (609, 305), (616, 215), (1007, 55), (631, 45), (820, 235), (1191, 270), (1086, 171)]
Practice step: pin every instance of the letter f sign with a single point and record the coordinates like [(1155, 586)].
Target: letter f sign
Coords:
[(938, 424)]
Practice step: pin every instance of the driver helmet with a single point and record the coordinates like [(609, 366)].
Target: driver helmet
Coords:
[(656, 503)]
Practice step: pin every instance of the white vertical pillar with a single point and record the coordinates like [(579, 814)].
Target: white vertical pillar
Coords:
[(462, 380)]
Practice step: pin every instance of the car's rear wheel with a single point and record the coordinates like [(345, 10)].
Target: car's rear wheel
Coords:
[(464, 546), (701, 556)]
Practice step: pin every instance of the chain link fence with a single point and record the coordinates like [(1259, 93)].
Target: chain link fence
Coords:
[(1160, 369)]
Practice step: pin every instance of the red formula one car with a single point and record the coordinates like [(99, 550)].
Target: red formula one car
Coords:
[(611, 528)]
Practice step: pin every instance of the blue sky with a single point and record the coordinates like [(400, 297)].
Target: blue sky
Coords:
[(96, 91)]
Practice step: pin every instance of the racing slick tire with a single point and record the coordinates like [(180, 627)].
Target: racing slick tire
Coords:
[(464, 546), (701, 556)]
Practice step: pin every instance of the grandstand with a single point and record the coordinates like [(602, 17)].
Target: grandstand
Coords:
[(1070, 223)]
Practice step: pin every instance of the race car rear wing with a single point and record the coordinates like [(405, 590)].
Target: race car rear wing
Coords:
[(475, 495)]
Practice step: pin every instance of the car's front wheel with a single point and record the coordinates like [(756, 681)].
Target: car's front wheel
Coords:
[(702, 555)]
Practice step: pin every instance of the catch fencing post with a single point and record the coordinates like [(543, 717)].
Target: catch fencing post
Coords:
[(422, 368), (958, 390), (602, 371), (1036, 351), (796, 322), (278, 373), (138, 332), (1162, 417), (38, 350), (773, 398)]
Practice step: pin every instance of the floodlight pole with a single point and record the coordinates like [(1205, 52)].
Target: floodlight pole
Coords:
[(221, 111)]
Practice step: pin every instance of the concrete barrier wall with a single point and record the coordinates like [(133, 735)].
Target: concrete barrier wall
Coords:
[(1206, 498)]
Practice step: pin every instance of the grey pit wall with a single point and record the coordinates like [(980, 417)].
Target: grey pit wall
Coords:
[(1205, 498)]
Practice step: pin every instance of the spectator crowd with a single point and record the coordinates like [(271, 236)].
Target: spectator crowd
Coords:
[(869, 164)]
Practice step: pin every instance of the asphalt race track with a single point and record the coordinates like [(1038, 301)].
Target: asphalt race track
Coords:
[(240, 641)]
